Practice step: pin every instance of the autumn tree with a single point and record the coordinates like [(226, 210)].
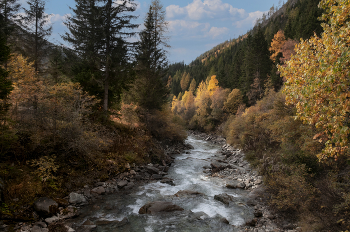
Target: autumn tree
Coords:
[(213, 85), (317, 79), (233, 101), (193, 85), (36, 21), (277, 44), (185, 81)]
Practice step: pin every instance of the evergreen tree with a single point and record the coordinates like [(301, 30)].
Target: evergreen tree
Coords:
[(36, 22), (5, 83), (8, 10), (149, 89), (98, 32)]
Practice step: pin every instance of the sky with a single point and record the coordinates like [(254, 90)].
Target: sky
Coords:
[(194, 26)]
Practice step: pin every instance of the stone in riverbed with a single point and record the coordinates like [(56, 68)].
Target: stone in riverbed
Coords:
[(76, 198), (159, 206), (235, 184), (157, 177), (122, 183), (188, 193), (152, 170), (224, 198), (167, 181), (99, 190), (46, 206)]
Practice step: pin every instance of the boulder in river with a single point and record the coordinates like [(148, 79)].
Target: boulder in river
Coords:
[(224, 198), (46, 206), (188, 193), (235, 184), (152, 170), (159, 206), (99, 190), (76, 198)]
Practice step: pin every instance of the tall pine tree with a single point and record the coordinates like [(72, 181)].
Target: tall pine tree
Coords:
[(150, 89), (98, 31), (36, 22)]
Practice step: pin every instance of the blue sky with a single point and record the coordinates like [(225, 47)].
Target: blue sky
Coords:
[(195, 26)]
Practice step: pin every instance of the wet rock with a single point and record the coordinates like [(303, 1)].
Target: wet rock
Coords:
[(76, 198), (41, 224), (235, 184), (224, 198), (46, 206), (252, 222), (99, 190), (152, 170), (167, 181), (258, 213), (38, 229), (198, 216), (157, 177), (188, 193), (216, 166), (132, 172), (52, 219), (87, 193), (159, 206), (100, 184), (122, 183), (129, 185), (88, 223), (224, 220)]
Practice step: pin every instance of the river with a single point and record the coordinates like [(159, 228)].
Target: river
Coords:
[(201, 212)]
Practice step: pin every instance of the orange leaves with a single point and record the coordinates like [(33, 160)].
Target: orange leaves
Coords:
[(277, 43), (317, 78)]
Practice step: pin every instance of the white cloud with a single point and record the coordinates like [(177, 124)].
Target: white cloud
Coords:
[(198, 10), (215, 32), (186, 28), (250, 20)]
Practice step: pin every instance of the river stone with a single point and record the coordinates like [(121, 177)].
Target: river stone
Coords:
[(76, 198), (39, 229), (159, 206), (224, 198), (122, 183), (46, 206), (157, 177), (167, 181), (52, 219), (235, 184), (188, 193), (99, 190), (132, 172), (152, 170)]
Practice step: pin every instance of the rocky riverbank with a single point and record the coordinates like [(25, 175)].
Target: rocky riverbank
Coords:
[(229, 164), (232, 166), (53, 214)]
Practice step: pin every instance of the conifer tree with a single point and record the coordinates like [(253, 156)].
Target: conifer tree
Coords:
[(5, 83), (149, 89), (36, 22), (98, 31), (8, 10)]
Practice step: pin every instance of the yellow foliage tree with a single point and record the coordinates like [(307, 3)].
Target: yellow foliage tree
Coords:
[(234, 100), (276, 45), (213, 85), (317, 79)]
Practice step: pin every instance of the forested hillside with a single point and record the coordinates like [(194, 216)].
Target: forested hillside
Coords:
[(236, 62), (281, 93)]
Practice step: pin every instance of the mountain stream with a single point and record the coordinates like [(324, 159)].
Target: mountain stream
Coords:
[(120, 211)]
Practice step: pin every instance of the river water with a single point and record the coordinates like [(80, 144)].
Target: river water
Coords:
[(201, 213)]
